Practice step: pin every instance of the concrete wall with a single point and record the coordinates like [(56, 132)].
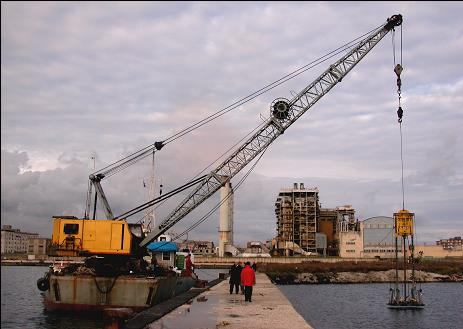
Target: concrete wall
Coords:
[(228, 261)]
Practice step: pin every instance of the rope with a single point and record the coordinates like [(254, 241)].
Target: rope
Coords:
[(402, 163)]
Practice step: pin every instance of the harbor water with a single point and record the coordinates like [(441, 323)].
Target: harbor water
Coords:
[(353, 306), (322, 306)]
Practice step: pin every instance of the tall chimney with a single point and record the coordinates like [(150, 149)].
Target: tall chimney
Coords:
[(226, 217)]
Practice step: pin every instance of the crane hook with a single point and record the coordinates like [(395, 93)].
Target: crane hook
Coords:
[(400, 113)]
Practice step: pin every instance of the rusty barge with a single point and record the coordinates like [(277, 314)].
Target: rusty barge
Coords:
[(91, 293)]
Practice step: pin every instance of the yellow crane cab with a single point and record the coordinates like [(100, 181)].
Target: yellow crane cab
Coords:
[(84, 237)]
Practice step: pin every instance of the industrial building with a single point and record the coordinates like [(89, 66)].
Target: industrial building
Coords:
[(376, 239), (334, 220), (297, 211), (373, 237), (303, 227)]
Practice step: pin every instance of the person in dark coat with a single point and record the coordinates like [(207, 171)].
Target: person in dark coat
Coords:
[(235, 277), (248, 280), (254, 266)]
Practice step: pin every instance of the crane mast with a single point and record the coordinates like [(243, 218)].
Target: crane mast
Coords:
[(98, 176), (284, 114)]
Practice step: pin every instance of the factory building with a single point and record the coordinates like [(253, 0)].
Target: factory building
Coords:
[(379, 237), (334, 220), (327, 224), (297, 211), (376, 239), (300, 218), (373, 237)]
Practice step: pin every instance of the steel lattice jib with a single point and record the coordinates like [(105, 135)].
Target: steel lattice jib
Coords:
[(403, 222)]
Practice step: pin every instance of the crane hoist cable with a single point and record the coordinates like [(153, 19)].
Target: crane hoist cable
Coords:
[(398, 68)]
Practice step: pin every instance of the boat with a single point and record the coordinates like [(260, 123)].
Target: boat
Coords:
[(91, 293), (116, 272), (410, 297), (78, 287)]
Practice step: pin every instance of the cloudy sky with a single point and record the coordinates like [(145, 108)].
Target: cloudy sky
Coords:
[(83, 80)]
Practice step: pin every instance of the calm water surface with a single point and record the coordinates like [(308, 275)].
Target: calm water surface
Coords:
[(22, 302), (364, 306)]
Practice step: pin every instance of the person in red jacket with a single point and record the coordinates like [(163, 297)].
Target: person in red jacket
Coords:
[(248, 279), (188, 265)]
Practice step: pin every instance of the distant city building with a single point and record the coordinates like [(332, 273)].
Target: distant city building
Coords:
[(451, 244), (255, 249), (14, 241), (198, 247)]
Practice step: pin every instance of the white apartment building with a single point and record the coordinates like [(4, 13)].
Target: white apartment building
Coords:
[(15, 241)]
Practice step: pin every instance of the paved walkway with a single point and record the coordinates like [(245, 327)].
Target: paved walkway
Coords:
[(216, 308)]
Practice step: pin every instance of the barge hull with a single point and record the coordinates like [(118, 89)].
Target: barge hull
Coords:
[(89, 293)]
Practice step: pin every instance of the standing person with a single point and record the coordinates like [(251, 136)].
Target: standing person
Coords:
[(254, 266), (188, 265), (235, 273), (248, 279), (240, 268)]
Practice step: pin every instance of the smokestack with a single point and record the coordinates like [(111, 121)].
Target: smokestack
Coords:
[(226, 218)]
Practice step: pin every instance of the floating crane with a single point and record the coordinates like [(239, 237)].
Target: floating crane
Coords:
[(114, 236)]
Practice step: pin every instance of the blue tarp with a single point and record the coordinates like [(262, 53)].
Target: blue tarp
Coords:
[(162, 246)]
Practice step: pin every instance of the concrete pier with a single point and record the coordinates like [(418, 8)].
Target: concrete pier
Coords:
[(217, 308)]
